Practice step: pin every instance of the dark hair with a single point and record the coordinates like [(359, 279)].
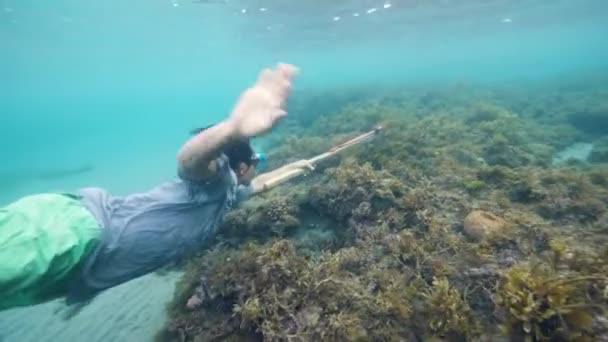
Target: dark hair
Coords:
[(237, 151)]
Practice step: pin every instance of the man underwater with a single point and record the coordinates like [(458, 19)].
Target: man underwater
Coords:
[(77, 245)]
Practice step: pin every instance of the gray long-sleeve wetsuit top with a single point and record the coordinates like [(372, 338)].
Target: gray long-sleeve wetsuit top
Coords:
[(143, 232)]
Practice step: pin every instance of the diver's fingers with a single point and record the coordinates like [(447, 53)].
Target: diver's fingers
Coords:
[(266, 77), (275, 84), (283, 91), (310, 165), (288, 71), (278, 78), (305, 164)]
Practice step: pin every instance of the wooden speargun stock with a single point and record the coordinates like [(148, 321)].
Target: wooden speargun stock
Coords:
[(282, 178)]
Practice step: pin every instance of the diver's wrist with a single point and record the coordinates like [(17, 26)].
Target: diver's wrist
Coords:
[(232, 130)]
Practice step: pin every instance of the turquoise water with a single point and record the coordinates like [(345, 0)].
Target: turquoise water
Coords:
[(104, 92), (114, 85)]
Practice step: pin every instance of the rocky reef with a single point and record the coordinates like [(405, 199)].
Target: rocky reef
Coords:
[(452, 225)]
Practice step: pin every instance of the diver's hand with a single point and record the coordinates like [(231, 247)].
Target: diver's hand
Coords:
[(267, 181), (303, 164), (263, 105)]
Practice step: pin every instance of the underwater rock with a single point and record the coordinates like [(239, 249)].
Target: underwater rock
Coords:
[(481, 224), (200, 295), (194, 302), (576, 152)]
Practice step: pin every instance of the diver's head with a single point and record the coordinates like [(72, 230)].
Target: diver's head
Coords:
[(241, 158), (243, 161)]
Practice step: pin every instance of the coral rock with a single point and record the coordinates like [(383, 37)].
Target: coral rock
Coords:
[(480, 224), (194, 302)]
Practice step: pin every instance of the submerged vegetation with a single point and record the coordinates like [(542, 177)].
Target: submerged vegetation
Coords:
[(452, 225)]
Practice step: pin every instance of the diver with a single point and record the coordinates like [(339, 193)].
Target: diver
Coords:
[(75, 245)]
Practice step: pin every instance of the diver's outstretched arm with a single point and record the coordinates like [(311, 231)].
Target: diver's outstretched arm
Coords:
[(256, 112)]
